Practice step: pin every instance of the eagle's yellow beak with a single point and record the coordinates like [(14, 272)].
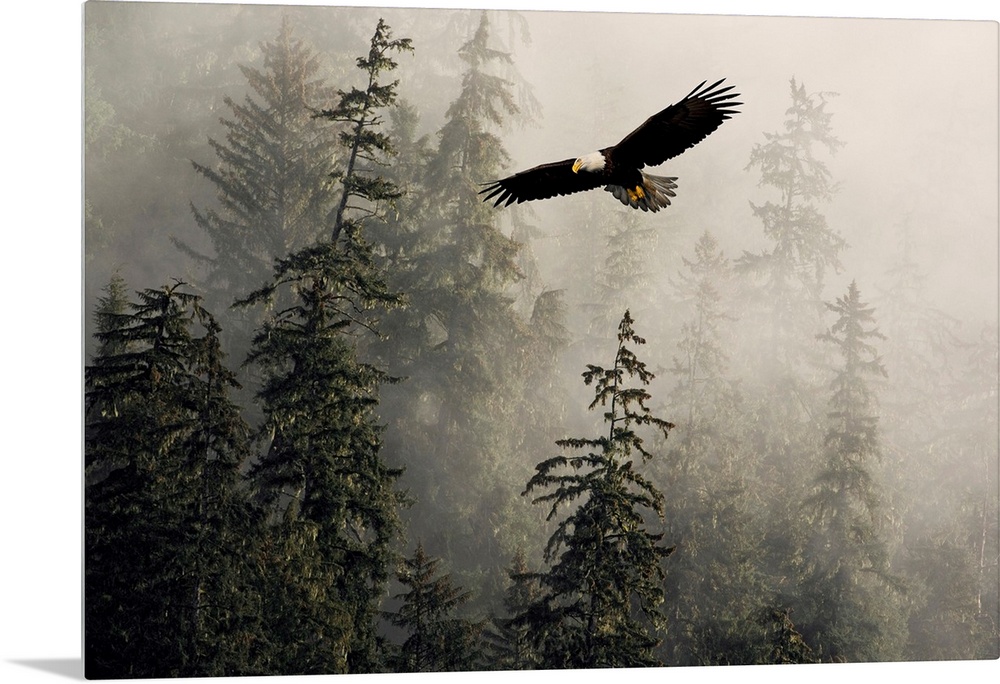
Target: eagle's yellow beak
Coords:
[(576, 165)]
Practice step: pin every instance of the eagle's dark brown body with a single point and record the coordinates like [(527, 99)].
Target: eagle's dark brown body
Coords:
[(619, 168)]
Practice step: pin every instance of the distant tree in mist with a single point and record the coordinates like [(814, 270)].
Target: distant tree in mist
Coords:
[(980, 418), (272, 171), (169, 531), (956, 610), (781, 304), (437, 638), (702, 391), (708, 477), (624, 279), (111, 310), (788, 277), (152, 81), (600, 602), (111, 147), (934, 422), (919, 357), (851, 599)]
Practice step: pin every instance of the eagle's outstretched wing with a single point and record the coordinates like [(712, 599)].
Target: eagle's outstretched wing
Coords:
[(540, 182), (677, 128)]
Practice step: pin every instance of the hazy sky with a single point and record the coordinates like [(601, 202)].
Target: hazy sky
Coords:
[(916, 107)]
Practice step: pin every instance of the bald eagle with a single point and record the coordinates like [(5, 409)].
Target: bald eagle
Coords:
[(619, 169)]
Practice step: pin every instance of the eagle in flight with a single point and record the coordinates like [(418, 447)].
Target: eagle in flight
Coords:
[(619, 168)]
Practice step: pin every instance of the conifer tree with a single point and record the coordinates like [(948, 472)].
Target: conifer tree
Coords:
[(784, 293), (702, 392), (956, 610), (168, 530), (708, 478), (509, 643), (785, 644), (109, 314), (792, 273), (781, 312), (624, 276), (322, 477), (366, 146), (852, 609), (601, 596), (438, 640), (332, 500), (272, 173)]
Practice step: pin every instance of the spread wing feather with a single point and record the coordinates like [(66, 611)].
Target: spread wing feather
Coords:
[(677, 128), (540, 182)]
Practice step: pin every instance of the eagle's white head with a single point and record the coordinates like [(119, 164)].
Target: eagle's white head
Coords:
[(593, 163)]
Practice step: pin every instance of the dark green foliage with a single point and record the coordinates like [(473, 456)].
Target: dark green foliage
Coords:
[(366, 146), (322, 478), (784, 643), (330, 498), (437, 639), (168, 528), (600, 602), (509, 643)]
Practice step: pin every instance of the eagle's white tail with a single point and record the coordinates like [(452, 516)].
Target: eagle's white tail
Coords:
[(655, 194)]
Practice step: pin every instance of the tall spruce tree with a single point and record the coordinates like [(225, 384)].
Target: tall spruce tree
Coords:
[(332, 500), (366, 146), (601, 596), (782, 304), (168, 530), (852, 609)]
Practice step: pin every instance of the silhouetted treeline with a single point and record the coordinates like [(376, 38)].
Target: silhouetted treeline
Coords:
[(338, 438)]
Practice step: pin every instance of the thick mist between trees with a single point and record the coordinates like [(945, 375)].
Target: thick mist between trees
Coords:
[(817, 307)]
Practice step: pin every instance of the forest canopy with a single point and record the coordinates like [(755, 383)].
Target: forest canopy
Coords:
[(342, 416)]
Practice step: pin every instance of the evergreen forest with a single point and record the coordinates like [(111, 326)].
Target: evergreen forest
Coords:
[(342, 416)]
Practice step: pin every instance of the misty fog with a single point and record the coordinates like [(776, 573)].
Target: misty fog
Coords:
[(913, 182)]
